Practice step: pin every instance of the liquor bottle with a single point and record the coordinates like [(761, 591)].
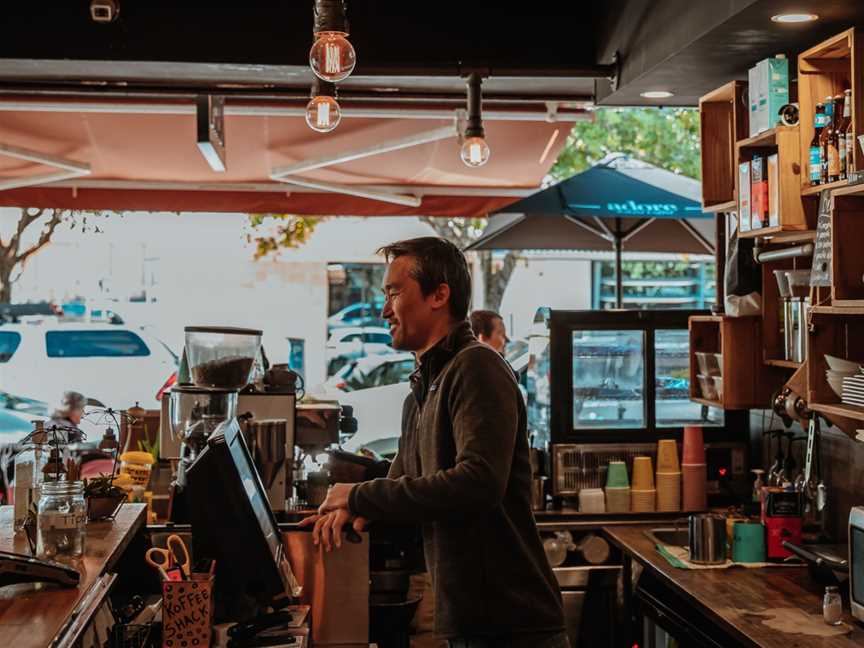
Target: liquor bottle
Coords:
[(832, 142), (815, 147), (843, 124), (824, 136), (850, 134)]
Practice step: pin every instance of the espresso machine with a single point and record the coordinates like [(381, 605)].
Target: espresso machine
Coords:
[(319, 427)]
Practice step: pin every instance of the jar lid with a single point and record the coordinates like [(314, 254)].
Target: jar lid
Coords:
[(63, 487), (224, 330)]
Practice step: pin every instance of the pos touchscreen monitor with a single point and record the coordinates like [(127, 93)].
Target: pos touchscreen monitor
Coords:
[(232, 521)]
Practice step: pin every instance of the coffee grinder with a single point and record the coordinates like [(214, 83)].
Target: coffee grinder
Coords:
[(220, 362)]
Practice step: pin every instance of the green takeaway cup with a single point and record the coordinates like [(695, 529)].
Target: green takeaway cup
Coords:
[(749, 543), (616, 477)]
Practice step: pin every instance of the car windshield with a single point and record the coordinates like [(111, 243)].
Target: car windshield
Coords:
[(9, 341), (98, 344), (377, 338)]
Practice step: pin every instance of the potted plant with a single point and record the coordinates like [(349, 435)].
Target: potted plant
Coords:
[(104, 498)]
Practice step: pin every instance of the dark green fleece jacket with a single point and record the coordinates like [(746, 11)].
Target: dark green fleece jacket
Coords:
[(463, 472)]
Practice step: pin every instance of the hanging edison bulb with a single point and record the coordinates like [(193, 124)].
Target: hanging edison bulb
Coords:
[(475, 151), (323, 113), (332, 57)]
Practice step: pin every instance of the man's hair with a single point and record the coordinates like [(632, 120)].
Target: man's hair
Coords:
[(483, 322), (437, 261)]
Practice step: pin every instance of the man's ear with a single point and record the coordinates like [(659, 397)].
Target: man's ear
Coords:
[(440, 297)]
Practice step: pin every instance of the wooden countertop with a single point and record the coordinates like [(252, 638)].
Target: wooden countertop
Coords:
[(735, 597), (32, 614)]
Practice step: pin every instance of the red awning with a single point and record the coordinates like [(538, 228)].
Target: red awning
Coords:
[(142, 161)]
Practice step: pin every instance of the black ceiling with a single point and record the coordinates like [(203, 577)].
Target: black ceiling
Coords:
[(409, 50)]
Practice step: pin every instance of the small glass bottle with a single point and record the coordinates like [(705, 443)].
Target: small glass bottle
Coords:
[(28, 473), (62, 517), (832, 606), (758, 485)]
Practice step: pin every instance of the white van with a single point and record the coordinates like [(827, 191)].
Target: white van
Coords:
[(114, 364)]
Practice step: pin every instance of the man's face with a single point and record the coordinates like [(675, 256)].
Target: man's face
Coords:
[(498, 338), (409, 313)]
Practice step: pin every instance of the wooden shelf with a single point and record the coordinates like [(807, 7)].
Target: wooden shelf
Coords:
[(762, 231), (723, 119), (705, 401), (829, 68), (838, 310), (768, 138), (839, 409), (786, 213), (730, 206), (785, 364), (747, 383), (815, 190), (801, 236), (856, 189)]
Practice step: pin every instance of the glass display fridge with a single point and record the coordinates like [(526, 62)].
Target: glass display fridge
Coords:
[(606, 385)]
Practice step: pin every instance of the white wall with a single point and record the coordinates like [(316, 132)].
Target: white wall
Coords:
[(558, 283)]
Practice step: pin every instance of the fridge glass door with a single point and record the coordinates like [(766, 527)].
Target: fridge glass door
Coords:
[(608, 379)]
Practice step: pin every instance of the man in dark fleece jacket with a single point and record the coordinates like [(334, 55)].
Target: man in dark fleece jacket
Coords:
[(462, 470)]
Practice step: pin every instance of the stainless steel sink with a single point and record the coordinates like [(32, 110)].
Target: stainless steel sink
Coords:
[(676, 537)]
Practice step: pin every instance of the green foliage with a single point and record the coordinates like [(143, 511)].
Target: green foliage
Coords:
[(666, 137), (272, 233)]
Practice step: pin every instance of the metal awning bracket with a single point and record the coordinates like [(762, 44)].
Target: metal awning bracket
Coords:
[(68, 169)]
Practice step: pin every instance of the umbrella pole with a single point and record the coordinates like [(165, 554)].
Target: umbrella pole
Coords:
[(618, 244)]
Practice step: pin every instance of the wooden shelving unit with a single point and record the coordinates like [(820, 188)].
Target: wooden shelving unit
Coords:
[(828, 69), (838, 334), (747, 382), (784, 141), (784, 364), (721, 208), (847, 256), (773, 342), (723, 116), (815, 190)]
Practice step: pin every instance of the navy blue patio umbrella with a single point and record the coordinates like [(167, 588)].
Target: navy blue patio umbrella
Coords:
[(622, 202)]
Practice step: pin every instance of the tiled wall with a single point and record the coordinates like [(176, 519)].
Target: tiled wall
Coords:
[(842, 469)]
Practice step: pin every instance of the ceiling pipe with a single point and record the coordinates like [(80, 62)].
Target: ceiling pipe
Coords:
[(18, 104)]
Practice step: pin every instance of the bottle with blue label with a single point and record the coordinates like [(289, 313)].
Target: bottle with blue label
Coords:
[(815, 170)]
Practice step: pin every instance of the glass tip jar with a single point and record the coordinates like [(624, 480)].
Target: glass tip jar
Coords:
[(61, 520)]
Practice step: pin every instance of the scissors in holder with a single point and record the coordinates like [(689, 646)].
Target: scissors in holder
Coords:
[(176, 553)]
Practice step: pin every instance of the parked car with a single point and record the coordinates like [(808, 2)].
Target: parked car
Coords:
[(353, 343), (373, 371), (115, 365), (379, 412), (358, 314)]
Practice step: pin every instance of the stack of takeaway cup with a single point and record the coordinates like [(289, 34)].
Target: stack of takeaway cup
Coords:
[(694, 472), (617, 488), (642, 492), (668, 476)]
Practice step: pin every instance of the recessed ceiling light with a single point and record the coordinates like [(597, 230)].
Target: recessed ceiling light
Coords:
[(795, 18), (656, 94)]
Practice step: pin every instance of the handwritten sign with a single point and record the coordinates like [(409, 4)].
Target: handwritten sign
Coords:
[(820, 275), (187, 612)]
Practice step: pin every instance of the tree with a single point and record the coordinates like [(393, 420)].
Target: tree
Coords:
[(666, 137), (14, 253), (496, 275), (290, 232)]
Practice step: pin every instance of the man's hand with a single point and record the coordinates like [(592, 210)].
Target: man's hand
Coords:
[(328, 527), (337, 498)]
